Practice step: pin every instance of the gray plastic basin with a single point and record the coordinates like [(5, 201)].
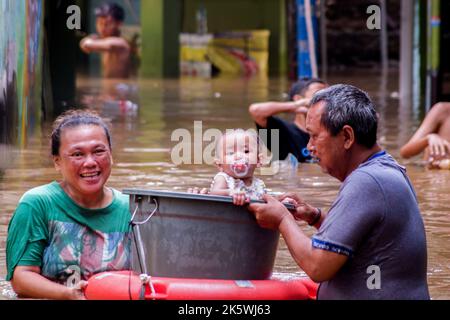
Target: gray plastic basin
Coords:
[(199, 236)]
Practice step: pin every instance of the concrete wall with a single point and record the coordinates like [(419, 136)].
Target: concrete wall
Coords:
[(161, 25)]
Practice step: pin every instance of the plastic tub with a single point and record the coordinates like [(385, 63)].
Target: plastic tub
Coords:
[(198, 236)]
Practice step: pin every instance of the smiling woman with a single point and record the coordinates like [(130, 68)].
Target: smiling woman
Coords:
[(81, 149), (63, 232)]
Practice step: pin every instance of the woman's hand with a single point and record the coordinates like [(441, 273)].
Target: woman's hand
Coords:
[(27, 282), (269, 215), (438, 147), (77, 292)]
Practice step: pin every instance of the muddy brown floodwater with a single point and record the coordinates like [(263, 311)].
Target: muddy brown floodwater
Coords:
[(142, 152)]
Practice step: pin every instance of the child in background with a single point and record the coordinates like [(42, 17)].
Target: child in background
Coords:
[(443, 163), (114, 49), (432, 138), (238, 154)]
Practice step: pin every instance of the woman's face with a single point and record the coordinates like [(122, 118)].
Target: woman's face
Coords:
[(84, 159)]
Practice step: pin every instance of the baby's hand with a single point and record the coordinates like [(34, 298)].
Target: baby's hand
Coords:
[(196, 190), (240, 198)]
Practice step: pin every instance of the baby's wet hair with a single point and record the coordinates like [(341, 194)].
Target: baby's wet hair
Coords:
[(75, 118)]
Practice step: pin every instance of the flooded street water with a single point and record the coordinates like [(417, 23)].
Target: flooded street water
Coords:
[(142, 158)]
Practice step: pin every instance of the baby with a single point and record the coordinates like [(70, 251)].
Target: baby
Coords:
[(238, 153)]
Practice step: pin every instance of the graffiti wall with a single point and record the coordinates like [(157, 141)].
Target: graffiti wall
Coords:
[(21, 42)]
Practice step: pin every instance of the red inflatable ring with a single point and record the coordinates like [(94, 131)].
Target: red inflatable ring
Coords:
[(126, 285)]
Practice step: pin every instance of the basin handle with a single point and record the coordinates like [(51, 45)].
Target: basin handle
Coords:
[(149, 216)]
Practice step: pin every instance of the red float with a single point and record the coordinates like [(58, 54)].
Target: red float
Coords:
[(126, 285)]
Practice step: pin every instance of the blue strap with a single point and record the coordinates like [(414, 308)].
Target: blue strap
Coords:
[(329, 246), (377, 155)]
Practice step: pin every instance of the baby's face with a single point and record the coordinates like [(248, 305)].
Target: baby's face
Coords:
[(239, 155)]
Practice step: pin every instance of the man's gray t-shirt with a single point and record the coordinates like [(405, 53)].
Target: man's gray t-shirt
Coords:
[(375, 220)]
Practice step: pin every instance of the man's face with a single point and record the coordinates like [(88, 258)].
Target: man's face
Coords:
[(328, 150), (108, 26)]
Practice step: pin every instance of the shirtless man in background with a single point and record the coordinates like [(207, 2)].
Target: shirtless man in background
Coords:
[(115, 50), (433, 137)]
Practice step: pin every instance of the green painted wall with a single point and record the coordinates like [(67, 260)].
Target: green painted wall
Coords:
[(245, 14), (160, 25)]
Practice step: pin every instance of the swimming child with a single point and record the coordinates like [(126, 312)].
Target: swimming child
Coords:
[(439, 163), (114, 49), (238, 153)]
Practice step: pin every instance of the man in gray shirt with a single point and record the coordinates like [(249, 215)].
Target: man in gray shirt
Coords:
[(371, 244)]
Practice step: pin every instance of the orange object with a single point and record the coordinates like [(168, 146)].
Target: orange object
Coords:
[(126, 285)]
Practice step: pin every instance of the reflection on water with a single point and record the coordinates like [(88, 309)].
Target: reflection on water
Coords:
[(142, 145)]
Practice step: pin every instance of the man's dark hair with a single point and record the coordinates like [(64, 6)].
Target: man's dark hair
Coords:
[(110, 9), (302, 85), (348, 105)]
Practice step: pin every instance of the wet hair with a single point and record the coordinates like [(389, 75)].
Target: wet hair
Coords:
[(72, 119), (302, 85), (348, 105), (110, 9)]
